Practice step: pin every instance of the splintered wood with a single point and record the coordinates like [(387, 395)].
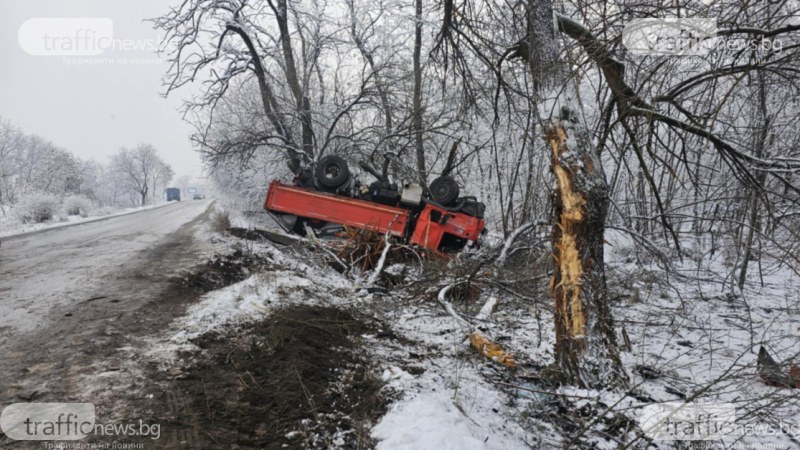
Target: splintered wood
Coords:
[(565, 285), (491, 350)]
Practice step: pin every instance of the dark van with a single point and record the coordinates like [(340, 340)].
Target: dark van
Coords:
[(173, 194)]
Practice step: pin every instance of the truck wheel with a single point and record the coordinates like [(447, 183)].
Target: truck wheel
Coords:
[(444, 190), (332, 171)]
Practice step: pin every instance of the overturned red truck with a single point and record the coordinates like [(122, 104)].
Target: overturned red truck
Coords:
[(330, 198)]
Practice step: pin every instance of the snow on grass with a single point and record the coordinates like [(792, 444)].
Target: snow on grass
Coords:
[(434, 421), (242, 302), (246, 301), (446, 402), (289, 281), (446, 399)]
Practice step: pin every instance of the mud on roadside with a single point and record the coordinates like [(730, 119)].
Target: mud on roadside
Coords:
[(222, 270), (298, 379)]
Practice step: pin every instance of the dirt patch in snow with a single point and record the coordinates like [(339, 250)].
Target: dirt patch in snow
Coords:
[(298, 379), (223, 270)]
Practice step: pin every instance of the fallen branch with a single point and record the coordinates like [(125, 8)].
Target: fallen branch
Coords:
[(487, 309), (510, 241), (448, 307), (379, 267), (558, 394), (491, 349), (382, 260), (477, 340)]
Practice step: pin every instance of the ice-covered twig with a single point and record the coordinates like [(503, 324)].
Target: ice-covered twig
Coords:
[(487, 309), (510, 241), (381, 262)]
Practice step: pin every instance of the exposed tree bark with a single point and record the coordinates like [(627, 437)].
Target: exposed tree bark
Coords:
[(586, 347), (477, 340)]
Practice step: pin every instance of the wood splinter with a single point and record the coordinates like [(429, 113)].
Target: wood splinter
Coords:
[(491, 350)]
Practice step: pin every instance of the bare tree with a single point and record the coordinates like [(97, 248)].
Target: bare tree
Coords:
[(183, 183), (139, 166), (416, 126), (161, 176), (11, 146)]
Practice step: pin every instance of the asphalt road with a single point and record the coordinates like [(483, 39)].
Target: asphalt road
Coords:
[(47, 270), (72, 297)]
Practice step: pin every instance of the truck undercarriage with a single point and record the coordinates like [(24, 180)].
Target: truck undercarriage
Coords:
[(436, 219)]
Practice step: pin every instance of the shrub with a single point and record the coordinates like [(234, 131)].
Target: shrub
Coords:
[(77, 205), (104, 211), (220, 221), (37, 207)]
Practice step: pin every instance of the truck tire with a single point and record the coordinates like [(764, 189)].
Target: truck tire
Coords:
[(332, 172), (444, 190)]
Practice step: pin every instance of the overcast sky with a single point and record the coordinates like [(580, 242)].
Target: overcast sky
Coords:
[(108, 101)]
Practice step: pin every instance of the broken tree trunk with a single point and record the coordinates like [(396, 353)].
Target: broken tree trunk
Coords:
[(586, 350)]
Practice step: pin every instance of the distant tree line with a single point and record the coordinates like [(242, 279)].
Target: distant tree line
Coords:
[(32, 165)]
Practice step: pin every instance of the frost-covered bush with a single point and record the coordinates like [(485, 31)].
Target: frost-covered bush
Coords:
[(77, 205), (105, 211), (220, 221), (37, 207)]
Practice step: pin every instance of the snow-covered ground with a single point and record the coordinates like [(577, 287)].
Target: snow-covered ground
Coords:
[(689, 339), (446, 404)]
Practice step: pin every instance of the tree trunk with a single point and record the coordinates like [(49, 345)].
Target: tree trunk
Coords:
[(293, 80), (268, 102), (417, 100), (760, 140), (586, 349), (155, 187)]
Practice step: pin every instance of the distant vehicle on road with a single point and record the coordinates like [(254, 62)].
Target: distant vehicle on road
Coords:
[(173, 194), (197, 197)]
